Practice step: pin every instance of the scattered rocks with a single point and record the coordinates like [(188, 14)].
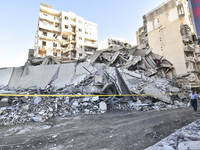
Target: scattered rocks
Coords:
[(187, 138)]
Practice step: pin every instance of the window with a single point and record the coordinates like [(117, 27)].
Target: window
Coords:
[(80, 30), (56, 25), (55, 18), (66, 26), (45, 14), (73, 19), (44, 43), (55, 35), (45, 33), (80, 54), (80, 38), (74, 37), (86, 32), (54, 44), (66, 18), (157, 11), (181, 12)]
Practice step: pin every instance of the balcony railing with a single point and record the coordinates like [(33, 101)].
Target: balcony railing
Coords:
[(48, 26), (49, 17)]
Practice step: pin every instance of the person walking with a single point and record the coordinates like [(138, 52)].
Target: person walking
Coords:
[(193, 100)]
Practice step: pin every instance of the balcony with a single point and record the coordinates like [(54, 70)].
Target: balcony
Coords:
[(49, 10), (49, 36), (191, 68), (198, 58), (91, 37), (56, 49), (65, 43), (188, 48), (48, 17), (180, 10), (88, 44), (186, 33), (48, 26)]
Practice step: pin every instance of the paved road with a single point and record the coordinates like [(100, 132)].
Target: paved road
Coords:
[(110, 131)]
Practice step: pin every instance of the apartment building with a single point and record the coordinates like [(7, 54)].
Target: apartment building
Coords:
[(64, 34), (168, 30), (113, 42)]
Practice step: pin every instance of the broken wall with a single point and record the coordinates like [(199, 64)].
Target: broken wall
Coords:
[(5, 75), (41, 75)]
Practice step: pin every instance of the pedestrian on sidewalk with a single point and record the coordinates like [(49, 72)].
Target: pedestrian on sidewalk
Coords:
[(193, 100)]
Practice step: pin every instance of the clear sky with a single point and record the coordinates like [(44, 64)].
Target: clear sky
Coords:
[(19, 19)]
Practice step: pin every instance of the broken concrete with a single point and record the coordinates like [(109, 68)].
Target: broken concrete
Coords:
[(183, 139), (5, 75), (134, 83)]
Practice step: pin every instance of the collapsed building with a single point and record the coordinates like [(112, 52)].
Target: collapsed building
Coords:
[(64, 35), (121, 78), (113, 43), (168, 30)]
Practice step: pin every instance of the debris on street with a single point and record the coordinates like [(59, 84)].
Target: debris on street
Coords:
[(184, 139)]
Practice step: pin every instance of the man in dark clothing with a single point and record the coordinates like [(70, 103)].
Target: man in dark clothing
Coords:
[(193, 100)]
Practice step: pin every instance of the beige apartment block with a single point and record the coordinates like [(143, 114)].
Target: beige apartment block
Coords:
[(112, 43), (168, 30), (64, 34)]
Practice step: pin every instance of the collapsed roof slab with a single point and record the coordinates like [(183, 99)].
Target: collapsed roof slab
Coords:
[(5, 75), (41, 75), (142, 53)]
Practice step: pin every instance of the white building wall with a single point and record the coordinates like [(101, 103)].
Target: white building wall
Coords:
[(112, 42), (59, 28)]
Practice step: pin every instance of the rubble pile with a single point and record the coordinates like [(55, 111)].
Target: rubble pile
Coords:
[(125, 79), (48, 60), (23, 109), (15, 110), (184, 139)]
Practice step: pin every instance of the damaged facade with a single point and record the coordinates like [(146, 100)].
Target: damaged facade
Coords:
[(64, 35), (168, 31), (113, 43)]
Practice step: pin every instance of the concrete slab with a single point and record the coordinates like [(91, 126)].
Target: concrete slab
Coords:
[(5, 75), (41, 75), (193, 145), (150, 89)]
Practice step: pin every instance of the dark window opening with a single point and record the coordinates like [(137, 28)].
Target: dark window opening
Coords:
[(66, 18), (44, 43), (56, 25), (45, 33), (54, 44)]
